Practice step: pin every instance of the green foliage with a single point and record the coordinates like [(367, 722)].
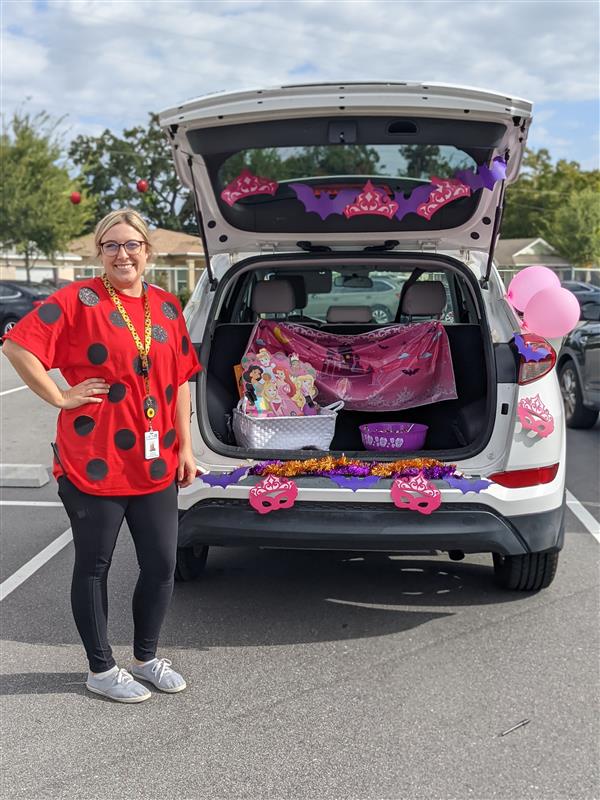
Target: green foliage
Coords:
[(111, 166), (184, 295), (36, 214), (557, 202)]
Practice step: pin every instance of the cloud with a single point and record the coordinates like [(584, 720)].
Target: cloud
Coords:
[(119, 60)]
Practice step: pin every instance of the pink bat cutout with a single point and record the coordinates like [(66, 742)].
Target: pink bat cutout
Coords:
[(245, 185), (416, 494), (273, 494), (534, 416)]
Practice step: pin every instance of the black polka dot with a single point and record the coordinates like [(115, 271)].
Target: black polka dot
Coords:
[(169, 438), (185, 345), (158, 468), (96, 469), (137, 364), (151, 402), (117, 319), (159, 334), (88, 296), (117, 392), (49, 312), (169, 310), (97, 353), (169, 393), (84, 425), (124, 439)]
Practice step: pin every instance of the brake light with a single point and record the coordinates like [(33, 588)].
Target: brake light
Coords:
[(530, 371), (36, 303), (518, 478)]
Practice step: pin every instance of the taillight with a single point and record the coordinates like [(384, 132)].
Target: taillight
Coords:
[(535, 367), (518, 478), (36, 303)]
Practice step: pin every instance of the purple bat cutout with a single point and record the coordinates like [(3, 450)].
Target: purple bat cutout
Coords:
[(528, 352), (224, 479), (407, 205), (485, 177), (355, 483), (324, 205), (468, 484)]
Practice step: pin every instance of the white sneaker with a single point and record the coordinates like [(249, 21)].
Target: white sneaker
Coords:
[(118, 685), (158, 672)]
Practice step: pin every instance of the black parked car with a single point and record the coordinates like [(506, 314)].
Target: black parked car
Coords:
[(582, 291), (579, 368), (18, 298)]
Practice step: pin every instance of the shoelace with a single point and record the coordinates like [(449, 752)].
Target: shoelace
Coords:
[(123, 676), (162, 668)]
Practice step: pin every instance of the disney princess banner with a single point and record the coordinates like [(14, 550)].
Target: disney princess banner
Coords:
[(388, 369)]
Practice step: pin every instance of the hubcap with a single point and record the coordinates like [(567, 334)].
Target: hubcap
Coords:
[(380, 315)]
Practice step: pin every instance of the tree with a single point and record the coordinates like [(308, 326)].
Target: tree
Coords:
[(575, 228), (36, 214), (111, 167)]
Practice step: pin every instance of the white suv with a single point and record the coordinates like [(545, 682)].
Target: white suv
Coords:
[(301, 187)]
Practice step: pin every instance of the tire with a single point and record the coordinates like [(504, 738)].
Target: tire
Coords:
[(576, 414), (381, 314), (527, 573), (190, 562), (8, 324)]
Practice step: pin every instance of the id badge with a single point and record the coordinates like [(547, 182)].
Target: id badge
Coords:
[(151, 449)]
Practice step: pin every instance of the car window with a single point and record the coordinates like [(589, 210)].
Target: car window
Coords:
[(9, 292), (39, 291)]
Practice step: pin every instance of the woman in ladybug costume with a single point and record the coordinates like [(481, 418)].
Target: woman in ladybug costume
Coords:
[(123, 440)]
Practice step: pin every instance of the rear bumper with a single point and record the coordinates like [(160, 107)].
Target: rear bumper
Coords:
[(472, 528)]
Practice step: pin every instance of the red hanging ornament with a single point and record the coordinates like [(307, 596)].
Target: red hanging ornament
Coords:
[(75, 198), (142, 185)]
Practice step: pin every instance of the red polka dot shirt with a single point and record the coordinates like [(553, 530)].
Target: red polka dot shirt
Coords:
[(100, 446)]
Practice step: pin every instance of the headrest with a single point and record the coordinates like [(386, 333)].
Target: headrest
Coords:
[(424, 299), (299, 289), (273, 297), (349, 314), (315, 282)]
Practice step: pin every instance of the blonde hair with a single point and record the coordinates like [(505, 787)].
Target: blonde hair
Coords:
[(130, 217)]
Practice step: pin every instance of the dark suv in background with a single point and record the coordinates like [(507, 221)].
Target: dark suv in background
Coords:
[(579, 367), (18, 298)]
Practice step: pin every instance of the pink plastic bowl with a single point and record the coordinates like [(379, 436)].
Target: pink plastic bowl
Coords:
[(393, 435)]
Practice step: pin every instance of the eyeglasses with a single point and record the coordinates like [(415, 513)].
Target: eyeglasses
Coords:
[(112, 248)]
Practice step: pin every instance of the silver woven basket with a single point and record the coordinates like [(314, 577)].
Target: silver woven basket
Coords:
[(286, 433)]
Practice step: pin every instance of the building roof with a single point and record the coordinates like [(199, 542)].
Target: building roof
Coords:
[(524, 252), (164, 243)]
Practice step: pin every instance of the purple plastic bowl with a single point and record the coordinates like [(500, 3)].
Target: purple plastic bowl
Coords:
[(393, 435)]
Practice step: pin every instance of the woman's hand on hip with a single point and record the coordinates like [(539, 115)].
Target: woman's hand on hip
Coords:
[(186, 471), (84, 392)]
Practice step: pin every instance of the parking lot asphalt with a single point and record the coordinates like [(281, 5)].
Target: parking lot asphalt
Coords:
[(310, 675)]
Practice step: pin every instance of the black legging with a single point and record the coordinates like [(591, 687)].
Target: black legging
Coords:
[(95, 522)]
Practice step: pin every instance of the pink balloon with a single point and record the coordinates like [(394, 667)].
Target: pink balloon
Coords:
[(552, 313), (528, 282)]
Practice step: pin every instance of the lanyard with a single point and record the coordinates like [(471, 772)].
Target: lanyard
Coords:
[(143, 349)]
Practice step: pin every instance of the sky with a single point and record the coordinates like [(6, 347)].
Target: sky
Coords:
[(104, 64)]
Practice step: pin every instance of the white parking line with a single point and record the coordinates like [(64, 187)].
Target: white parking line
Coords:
[(584, 516), (37, 503), (32, 566), (10, 391)]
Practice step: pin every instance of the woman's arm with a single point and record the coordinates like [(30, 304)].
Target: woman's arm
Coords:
[(186, 471), (33, 373)]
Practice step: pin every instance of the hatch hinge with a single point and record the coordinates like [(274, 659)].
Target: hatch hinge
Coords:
[(389, 244), (309, 247)]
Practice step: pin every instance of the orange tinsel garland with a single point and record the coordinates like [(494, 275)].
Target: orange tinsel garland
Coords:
[(315, 466)]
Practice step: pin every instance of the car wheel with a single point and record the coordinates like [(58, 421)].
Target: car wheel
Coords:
[(527, 573), (8, 324), (576, 414), (190, 562), (381, 315)]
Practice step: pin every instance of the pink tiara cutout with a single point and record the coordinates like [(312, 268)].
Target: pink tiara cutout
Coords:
[(446, 190), (371, 201), (535, 416), (272, 494), (245, 185), (416, 494)]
